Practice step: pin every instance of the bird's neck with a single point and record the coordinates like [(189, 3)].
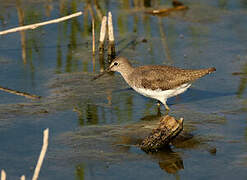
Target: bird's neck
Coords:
[(126, 72)]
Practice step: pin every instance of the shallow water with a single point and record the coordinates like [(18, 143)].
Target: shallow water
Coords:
[(95, 126)]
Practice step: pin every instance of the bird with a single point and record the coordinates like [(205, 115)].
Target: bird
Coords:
[(159, 82)]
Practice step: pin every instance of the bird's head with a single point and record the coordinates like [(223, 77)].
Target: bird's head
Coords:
[(119, 64)]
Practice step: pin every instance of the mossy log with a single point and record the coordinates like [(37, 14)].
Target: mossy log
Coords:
[(160, 137)]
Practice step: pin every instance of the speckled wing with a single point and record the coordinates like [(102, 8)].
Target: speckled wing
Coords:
[(165, 77)]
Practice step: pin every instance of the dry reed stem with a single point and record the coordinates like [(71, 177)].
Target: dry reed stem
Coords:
[(90, 9), (33, 26), (3, 175), (23, 177), (20, 13), (110, 28), (97, 9), (103, 30), (27, 95), (94, 63), (164, 42), (42, 154), (93, 33), (111, 45)]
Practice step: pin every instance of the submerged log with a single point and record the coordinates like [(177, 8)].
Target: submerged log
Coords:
[(160, 137), (177, 3), (167, 11)]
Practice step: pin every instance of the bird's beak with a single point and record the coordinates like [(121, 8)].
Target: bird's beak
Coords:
[(102, 73)]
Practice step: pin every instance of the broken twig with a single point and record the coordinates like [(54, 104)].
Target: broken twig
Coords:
[(3, 175), (27, 95), (42, 154), (33, 26)]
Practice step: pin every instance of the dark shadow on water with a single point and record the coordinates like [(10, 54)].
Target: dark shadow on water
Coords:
[(169, 161)]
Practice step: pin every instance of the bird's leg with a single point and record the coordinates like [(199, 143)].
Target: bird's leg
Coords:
[(164, 102), (167, 108), (158, 104), (158, 108)]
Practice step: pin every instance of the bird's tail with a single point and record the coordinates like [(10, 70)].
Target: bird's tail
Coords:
[(195, 74), (203, 72), (210, 70)]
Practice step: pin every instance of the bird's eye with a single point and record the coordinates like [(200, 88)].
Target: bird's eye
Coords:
[(115, 63)]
